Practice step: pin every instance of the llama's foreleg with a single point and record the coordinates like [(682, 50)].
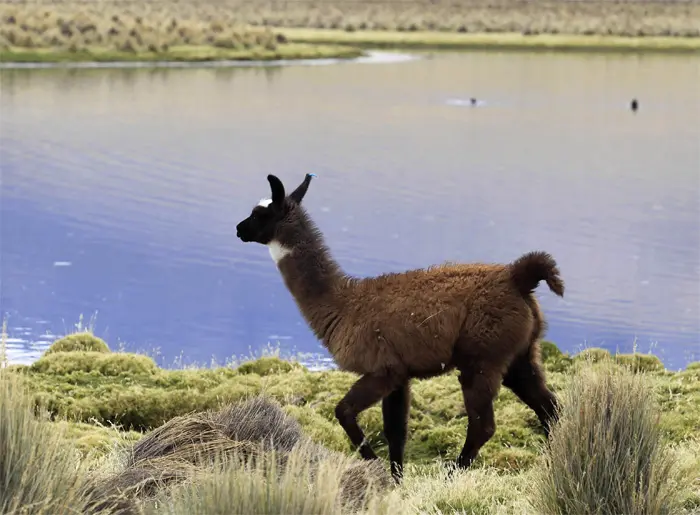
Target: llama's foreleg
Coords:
[(479, 388), (526, 379), (367, 391), (395, 408)]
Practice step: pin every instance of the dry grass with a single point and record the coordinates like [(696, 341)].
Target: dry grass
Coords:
[(263, 486), (39, 474), (252, 457), (213, 18), (244, 458), (96, 30), (42, 32), (607, 454), (202, 459), (500, 41)]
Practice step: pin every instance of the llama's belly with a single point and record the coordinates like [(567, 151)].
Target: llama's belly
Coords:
[(402, 349)]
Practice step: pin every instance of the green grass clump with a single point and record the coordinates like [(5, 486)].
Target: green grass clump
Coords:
[(95, 363), (267, 365), (192, 452), (131, 392), (640, 362), (607, 454), (81, 341)]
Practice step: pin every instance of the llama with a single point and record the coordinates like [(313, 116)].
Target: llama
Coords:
[(481, 319)]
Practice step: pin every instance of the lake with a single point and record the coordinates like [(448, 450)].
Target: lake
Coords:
[(121, 190)]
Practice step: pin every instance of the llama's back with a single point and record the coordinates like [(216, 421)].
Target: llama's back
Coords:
[(416, 318)]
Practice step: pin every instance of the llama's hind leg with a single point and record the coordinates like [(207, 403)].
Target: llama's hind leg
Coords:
[(479, 387), (395, 408), (526, 379), (368, 390)]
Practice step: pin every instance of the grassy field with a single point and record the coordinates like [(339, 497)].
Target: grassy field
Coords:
[(64, 30), (91, 32), (102, 400)]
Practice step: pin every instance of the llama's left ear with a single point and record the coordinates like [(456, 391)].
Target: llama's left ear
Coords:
[(277, 190), (298, 194)]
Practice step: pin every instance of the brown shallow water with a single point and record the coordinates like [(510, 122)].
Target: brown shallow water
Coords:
[(121, 190)]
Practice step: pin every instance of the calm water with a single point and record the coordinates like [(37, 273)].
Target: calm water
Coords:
[(121, 190)]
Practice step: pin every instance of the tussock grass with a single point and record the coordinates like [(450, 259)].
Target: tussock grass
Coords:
[(607, 454), (62, 30), (262, 486), (241, 459), (132, 392), (272, 450), (601, 17), (151, 32), (209, 453), (79, 341), (39, 474)]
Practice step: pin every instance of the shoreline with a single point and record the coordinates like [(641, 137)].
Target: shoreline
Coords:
[(180, 54), (319, 44), (435, 40)]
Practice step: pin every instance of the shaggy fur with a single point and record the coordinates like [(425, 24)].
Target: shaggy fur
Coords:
[(481, 319)]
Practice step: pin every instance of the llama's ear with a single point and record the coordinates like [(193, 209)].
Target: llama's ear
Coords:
[(277, 190), (298, 194)]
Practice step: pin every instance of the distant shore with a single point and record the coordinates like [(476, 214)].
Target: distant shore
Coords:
[(327, 43), (433, 40), (193, 53), (62, 31)]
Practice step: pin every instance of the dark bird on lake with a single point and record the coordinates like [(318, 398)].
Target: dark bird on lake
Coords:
[(473, 101), (634, 105)]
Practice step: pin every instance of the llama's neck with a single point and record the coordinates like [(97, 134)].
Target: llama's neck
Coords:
[(313, 277)]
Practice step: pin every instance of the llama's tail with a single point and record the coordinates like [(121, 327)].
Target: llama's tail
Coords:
[(529, 269)]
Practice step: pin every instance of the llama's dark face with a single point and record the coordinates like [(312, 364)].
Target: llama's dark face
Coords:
[(272, 218)]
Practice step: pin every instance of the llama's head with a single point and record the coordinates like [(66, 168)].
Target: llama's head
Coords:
[(278, 220)]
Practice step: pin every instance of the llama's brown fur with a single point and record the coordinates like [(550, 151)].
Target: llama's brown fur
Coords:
[(479, 318)]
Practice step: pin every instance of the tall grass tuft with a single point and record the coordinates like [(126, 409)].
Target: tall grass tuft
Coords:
[(39, 474), (269, 483), (4, 360), (606, 455)]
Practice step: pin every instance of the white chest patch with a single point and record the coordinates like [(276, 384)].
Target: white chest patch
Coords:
[(277, 251), (265, 202)]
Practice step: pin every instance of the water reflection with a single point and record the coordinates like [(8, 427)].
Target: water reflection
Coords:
[(136, 178)]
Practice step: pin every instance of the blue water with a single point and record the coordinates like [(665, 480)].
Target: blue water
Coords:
[(121, 189)]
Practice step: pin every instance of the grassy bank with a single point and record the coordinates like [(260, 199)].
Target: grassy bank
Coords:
[(72, 33), (182, 53), (434, 40), (105, 401), (62, 30), (130, 390)]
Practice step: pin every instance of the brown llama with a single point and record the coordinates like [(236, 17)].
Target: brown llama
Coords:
[(481, 319)]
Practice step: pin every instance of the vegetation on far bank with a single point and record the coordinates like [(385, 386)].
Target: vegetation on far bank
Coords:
[(435, 40), (105, 402), (65, 33), (62, 30)]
